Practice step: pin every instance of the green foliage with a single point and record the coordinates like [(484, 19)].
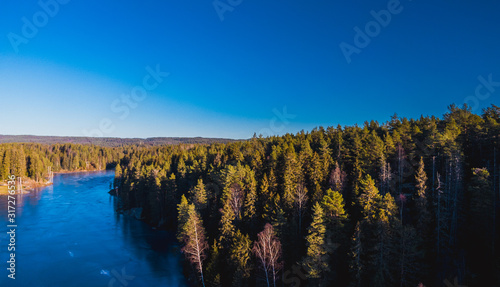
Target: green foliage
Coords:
[(240, 254), (227, 228), (198, 195), (370, 198), (182, 218), (291, 173), (33, 160), (213, 273), (387, 209), (333, 205), (354, 175), (421, 179), (251, 196), (316, 260)]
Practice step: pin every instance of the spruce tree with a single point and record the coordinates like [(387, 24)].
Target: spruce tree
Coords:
[(316, 260), (240, 254), (182, 217), (369, 198), (198, 195)]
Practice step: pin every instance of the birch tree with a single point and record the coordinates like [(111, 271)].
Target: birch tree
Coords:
[(267, 249)]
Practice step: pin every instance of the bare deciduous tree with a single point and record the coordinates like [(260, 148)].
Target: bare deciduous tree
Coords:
[(300, 202), (195, 241), (337, 178), (267, 248), (236, 199)]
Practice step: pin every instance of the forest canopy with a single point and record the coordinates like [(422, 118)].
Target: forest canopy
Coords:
[(403, 203)]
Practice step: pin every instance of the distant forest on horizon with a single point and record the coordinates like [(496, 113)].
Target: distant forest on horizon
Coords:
[(410, 202), (108, 141)]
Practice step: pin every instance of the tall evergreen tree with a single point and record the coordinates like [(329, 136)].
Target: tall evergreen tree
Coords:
[(316, 260), (182, 217), (198, 195), (369, 198), (240, 255)]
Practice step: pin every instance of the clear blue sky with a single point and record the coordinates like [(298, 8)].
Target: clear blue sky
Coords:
[(226, 76)]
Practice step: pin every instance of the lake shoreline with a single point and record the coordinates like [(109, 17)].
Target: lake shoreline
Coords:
[(78, 171), (29, 184), (74, 224)]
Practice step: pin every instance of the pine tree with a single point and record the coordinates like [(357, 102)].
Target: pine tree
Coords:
[(118, 176), (182, 217), (155, 203), (181, 167), (227, 227), (240, 254), (315, 172), (291, 173), (333, 206), (325, 158), (369, 198), (171, 197), (266, 199), (278, 217), (198, 195), (5, 168), (387, 209), (316, 260), (423, 227), (384, 246), (18, 162), (212, 270), (250, 209), (335, 217)]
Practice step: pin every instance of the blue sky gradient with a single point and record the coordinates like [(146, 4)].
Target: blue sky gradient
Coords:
[(227, 76)]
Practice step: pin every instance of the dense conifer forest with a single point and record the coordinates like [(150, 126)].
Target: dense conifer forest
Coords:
[(410, 202), (33, 160)]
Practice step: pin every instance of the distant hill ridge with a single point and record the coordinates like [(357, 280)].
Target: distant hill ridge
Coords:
[(110, 142)]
